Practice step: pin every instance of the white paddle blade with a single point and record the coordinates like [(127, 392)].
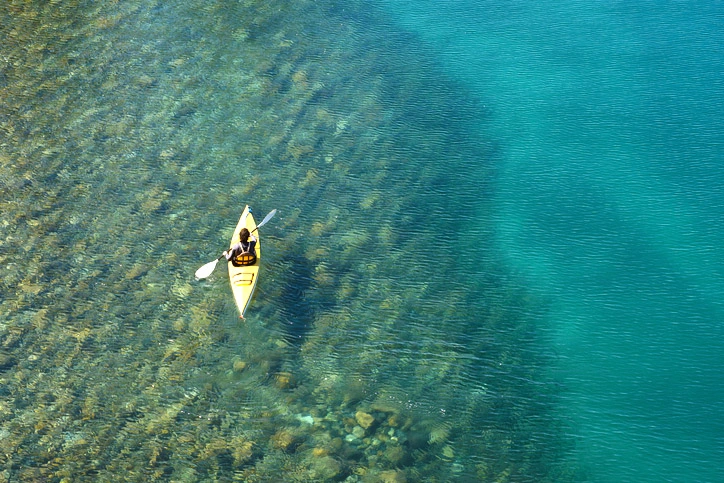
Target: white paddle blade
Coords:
[(268, 217), (206, 270)]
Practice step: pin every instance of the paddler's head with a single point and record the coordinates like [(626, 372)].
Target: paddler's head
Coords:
[(243, 235)]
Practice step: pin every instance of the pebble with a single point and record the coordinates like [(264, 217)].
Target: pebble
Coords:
[(358, 432)]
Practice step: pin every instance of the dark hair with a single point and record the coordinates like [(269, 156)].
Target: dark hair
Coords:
[(244, 235)]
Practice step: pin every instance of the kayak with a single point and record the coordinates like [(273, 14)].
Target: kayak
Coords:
[(243, 278)]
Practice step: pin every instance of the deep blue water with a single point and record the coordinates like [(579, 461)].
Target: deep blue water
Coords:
[(608, 119)]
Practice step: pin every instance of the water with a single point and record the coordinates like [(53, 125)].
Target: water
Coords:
[(497, 238), (608, 118)]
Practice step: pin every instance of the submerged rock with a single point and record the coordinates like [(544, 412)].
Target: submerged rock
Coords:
[(285, 440), (317, 452), (326, 468), (305, 418), (284, 380), (239, 365), (393, 476), (364, 419), (394, 454)]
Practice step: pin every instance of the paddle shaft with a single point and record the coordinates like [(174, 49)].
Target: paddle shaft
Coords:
[(266, 219)]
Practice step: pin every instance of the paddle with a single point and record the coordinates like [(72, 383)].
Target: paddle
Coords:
[(208, 269)]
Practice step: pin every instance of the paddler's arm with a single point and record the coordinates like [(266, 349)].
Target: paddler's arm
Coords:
[(230, 252)]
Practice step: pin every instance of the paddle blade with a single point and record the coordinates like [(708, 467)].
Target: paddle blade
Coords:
[(267, 218), (206, 270)]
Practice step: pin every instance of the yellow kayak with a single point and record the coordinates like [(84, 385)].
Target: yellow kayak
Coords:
[(243, 278)]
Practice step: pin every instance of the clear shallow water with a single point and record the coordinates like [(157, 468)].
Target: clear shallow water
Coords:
[(494, 238), (133, 135)]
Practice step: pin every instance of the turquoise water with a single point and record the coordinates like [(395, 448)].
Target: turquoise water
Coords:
[(496, 255), (608, 121)]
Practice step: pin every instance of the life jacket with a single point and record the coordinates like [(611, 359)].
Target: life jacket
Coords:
[(246, 257)]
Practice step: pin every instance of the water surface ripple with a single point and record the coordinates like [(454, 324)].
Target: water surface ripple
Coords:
[(386, 341)]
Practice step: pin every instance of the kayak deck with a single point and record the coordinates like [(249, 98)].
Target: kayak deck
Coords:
[(243, 279)]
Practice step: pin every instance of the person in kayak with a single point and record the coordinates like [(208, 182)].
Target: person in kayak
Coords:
[(247, 244)]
